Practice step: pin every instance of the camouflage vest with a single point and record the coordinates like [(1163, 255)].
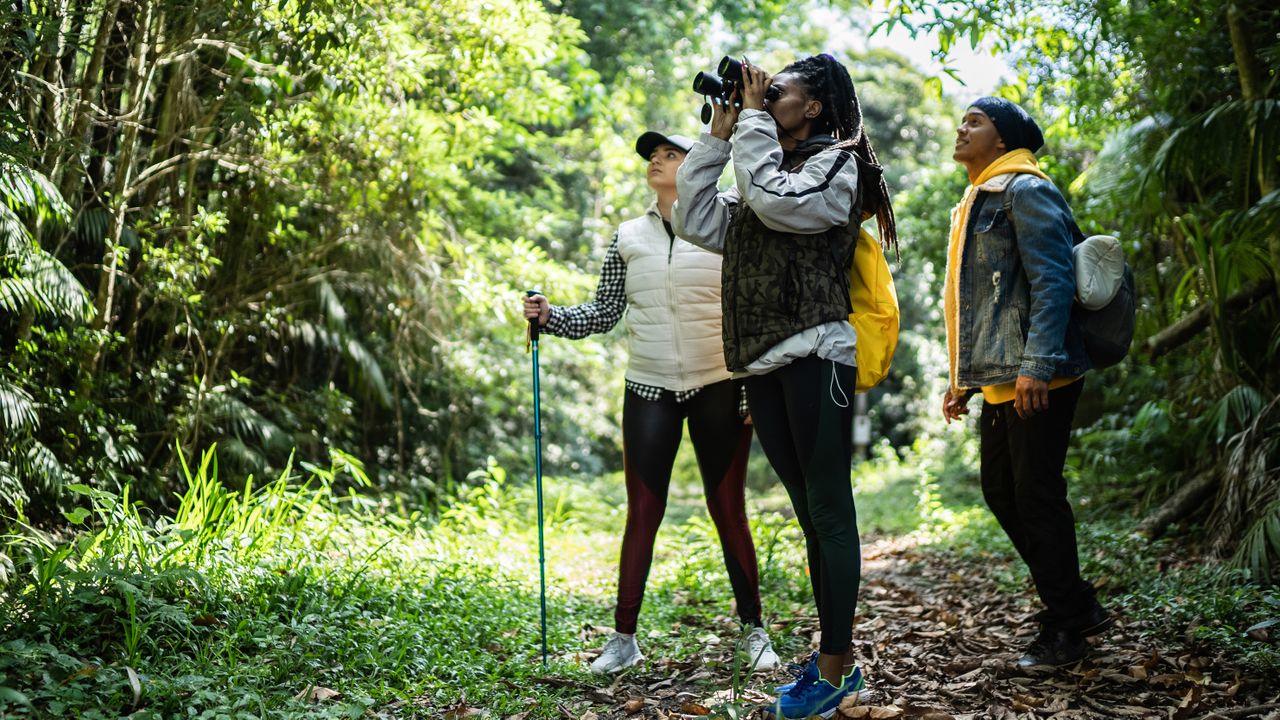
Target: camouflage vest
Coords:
[(777, 284)]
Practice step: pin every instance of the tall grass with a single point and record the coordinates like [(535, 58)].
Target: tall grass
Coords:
[(245, 601)]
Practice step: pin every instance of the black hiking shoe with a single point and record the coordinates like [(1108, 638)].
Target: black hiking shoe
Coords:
[(1054, 648), (1098, 621)]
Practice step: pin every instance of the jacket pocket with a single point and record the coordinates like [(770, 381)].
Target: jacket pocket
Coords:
[(994, 238)]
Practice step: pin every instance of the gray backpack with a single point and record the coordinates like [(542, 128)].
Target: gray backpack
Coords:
[(1105, 307)]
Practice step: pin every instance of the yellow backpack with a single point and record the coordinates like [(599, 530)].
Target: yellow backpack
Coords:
[(875, 311)]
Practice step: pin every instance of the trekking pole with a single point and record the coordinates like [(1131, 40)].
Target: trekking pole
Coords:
[(537, 464)]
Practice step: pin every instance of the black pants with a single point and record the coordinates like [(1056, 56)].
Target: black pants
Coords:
[(803, 415), (651, 433), (1022, 481)]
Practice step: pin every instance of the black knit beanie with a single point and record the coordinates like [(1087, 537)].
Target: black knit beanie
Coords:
[(1015, 126)]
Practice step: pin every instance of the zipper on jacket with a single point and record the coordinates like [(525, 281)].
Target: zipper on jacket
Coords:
[(674, 306)]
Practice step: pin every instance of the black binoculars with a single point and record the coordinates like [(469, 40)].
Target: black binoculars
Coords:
[(721, 84)]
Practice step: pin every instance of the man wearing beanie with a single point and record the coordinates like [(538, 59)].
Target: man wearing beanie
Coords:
[(1009, 290)]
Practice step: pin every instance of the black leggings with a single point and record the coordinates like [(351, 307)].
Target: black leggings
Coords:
[(651, 432), (804, 419)]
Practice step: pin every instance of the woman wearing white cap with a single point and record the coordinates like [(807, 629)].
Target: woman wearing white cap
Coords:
[(670, 290)]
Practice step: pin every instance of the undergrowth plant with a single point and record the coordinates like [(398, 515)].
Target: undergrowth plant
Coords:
[(247, 601)]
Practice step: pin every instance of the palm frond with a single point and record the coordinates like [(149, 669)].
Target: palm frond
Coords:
[(18, 293), (369, 371), (361, 363), (233, 415), (92, 225), (1260, 547), (14, 239), (59, 291), (16, 188), (18, 414), (46, 286), (1235, 410), (1216, 143), (13, 496), (1118, 172), (26, 190), (1249, 490), (236, 453), (335, 313), (41, 466)]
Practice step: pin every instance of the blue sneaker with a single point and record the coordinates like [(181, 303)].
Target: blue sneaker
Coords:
[(819, 697), (808, 673)]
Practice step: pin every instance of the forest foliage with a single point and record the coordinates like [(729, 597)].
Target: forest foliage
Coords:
[(299, 227)]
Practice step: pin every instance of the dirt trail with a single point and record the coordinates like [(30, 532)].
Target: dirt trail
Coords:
[(938, 640)]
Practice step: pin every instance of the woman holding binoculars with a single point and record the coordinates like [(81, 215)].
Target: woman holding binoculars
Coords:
[(670, 291), (806, 176)]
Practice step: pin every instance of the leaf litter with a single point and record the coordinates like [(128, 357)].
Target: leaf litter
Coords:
[(939, 640)]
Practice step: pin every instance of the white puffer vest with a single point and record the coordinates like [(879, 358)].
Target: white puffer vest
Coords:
[(673, 307)]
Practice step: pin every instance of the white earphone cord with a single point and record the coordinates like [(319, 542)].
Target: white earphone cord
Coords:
[(835, 385)]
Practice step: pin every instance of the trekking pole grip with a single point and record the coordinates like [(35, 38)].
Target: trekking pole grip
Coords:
[(534, 327)]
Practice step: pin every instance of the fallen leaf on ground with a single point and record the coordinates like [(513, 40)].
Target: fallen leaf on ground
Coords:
[(135, 684), (872, 712), (693, 708), (316, 693)]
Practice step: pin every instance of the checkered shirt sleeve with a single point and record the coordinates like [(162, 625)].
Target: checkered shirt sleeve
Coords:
[(602, 313)]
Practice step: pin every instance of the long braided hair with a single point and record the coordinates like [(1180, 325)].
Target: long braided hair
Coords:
[(826, 80)]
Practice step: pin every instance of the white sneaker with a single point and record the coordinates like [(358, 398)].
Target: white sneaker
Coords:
[(759, 650), (620, 653)]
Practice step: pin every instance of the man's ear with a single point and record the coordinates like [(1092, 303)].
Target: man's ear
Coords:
[(813, 109)]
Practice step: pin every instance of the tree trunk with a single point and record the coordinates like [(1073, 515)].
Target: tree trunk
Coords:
[(115, 76), (1187, 499), (1192, 323), (82, 109), (52, 105), (138, 93), (1250, 68)]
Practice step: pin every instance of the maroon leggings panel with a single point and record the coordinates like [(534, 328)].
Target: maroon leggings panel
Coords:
[(651, 433)]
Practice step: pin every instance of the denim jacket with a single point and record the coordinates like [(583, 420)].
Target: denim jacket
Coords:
[(1017, 286)]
